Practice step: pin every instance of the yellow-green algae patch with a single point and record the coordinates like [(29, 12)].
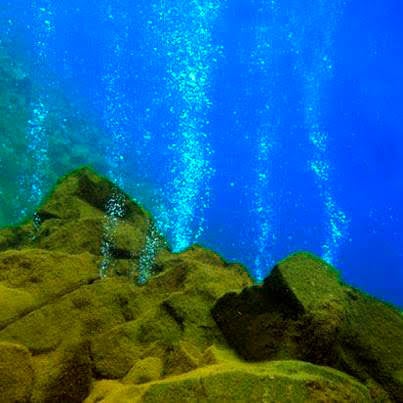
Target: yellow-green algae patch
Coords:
[(16, 373), (231, 379)]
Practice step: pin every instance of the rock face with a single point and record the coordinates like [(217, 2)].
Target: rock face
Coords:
[(70, 334), (304, 312), (69, 132)]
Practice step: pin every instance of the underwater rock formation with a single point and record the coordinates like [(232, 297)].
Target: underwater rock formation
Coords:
[(68, 335), (72, 220), (69, 133), (304, 312)]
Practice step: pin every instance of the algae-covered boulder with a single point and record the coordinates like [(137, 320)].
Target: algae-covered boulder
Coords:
[(147, 370), (74, 218), (83, 213), (32, 278), (304, 312), (229, 379), (176, 313)]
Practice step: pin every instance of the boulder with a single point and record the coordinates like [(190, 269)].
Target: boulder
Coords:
[(74, 218), (176, 313), (303, 311), (87, 213), (232, 380), (32, 278)]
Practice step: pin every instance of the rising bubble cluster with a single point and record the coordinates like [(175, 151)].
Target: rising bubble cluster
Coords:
[(183, 37), (116, 117), (36, 130)]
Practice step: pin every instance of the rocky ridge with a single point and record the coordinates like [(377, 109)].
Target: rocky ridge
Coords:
[(68, 335)]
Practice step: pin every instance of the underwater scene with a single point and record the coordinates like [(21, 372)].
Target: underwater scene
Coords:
[(201, 201)]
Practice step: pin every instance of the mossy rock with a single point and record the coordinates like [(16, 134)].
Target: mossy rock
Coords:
[(16, 373), (29, 279), (72, 237), (158, 341), (74, 219), (90, 309), (16, 237), (176, 307), (181, 358), (233, 380), (303, 311), (83, 193)]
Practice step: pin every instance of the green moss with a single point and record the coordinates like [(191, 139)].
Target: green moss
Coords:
[(146, 370), (315, 280), (13, 302), (65, 375), (16, 373), (181, 358), (234, 380)]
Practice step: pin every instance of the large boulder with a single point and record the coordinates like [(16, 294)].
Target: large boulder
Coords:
[(74, 218), (176, 313), (87, 213), (303, 311), (229, 379)]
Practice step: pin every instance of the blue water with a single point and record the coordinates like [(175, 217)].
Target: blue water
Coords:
[(256, 128)]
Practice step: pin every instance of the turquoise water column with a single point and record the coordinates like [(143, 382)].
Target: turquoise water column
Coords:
[(317, 75), (183, 32), (33, 181)]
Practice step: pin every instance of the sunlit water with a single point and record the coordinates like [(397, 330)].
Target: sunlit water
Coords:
[(256, 128)]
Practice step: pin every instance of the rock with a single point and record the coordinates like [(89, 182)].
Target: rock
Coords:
[(177, 304), (116, 339), (73, 218), (30, 279), (83, 193), (51, 288), (15, 238), (304, 312), (181, 358), (14, 302), (232, 380), (16, 373)]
